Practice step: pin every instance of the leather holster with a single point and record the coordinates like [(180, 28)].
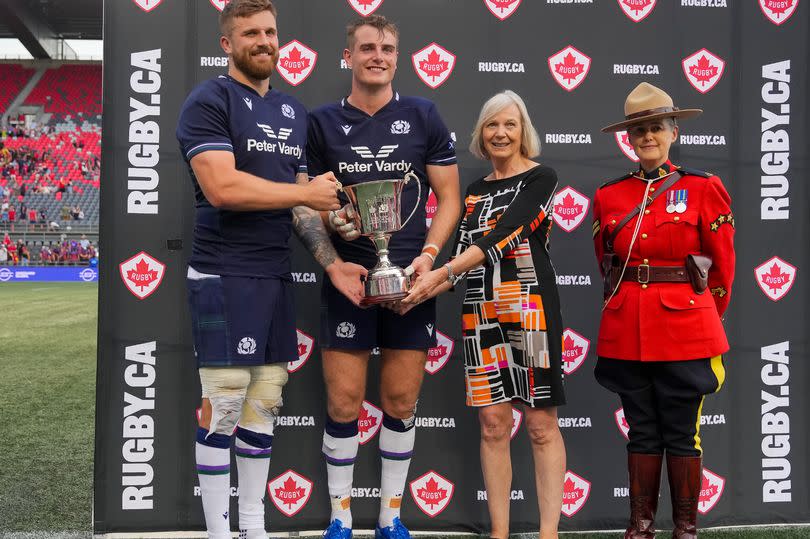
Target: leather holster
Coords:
[(697, 267), (611, 270)]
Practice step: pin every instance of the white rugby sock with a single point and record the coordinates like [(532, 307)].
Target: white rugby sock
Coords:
[(340, 443), (397, 438), (213, 455), (252, 463)]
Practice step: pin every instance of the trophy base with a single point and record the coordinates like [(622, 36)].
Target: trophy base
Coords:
[(376, 300), (390, 284)]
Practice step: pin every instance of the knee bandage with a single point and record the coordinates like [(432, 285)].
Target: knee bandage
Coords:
[(225, 387), (263, 398)]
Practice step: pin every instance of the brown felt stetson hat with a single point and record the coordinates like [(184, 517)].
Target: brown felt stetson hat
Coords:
[(646, 102)]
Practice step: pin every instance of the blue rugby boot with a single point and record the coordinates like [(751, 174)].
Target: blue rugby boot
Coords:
[(397, 531), (337, 531)]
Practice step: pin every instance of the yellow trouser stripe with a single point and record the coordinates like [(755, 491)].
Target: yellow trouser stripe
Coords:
[(719, 371), (697, 426)]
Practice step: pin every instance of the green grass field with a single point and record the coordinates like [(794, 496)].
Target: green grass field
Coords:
[(47, 407)]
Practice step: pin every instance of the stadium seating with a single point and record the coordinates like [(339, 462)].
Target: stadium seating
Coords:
[(12, 79), (69, 92), (70, 101)]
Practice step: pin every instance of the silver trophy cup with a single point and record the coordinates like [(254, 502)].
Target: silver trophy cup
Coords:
[(377, 215)]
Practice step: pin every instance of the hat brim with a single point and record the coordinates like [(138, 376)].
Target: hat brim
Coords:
[(682, 113)]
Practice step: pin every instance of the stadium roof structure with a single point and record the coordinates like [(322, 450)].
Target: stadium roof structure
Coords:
[(42, 26)]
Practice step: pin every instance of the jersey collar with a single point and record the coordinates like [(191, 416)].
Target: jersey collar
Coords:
[(344, 103), (250, 89)]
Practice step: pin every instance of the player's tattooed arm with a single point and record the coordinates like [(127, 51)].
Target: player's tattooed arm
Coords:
[(309, 228)]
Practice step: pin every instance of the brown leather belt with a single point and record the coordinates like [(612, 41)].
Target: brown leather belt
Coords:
[(644, 273)]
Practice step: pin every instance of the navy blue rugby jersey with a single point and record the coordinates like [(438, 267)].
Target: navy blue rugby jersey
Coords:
[(267, 136), (406, 134)]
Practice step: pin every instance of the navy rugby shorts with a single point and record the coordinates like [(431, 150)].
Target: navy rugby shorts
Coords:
[(344, 326), (241, 321)]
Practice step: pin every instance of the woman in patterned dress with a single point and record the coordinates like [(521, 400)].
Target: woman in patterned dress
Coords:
[(511, 322)]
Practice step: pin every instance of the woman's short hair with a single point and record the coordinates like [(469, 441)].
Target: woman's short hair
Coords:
[(529, 140)]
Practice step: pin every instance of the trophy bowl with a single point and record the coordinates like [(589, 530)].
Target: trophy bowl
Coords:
[(377, 215)]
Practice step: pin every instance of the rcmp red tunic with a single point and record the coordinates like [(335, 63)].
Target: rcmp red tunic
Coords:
[(667, 321)]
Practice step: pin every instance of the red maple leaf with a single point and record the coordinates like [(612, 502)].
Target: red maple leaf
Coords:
[(703, 70), (434, 66), (302, 350), (707, 490), (571, 494), (778, 7), (502, 4), (142, 276), (435, 354), (625, 424), (432, 494), (290, 493), (366, 422), (637, 5), (568, 210), (295, 64), (365, 3), (571, 351), (775, 279), (569, 68)]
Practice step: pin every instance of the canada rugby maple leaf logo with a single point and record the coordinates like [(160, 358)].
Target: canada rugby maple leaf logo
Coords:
[(290, 493), (703, 70), (431, 494), (365, 7), (147, 5), (502, 9), (707, 490), (569, 209), (571, 493), (436, 353), (569, 68), (775, 279), (302, 349), (778, 7), (637, 5), (142, 276), (778, 11), (572, 352), (295, 64), (366, 422), (503, 5), (433, 66)]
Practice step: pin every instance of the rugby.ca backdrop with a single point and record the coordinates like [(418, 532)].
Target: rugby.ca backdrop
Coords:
[(574, 62)]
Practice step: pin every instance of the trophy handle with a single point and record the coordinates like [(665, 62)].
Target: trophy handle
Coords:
[(411, 175)]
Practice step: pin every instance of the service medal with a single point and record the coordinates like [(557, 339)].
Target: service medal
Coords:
[(670, 201), (680, 200)]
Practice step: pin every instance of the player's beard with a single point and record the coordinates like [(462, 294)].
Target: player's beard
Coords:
[(244, 62)]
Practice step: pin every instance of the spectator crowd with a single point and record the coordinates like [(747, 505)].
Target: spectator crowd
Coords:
[(64, 252)]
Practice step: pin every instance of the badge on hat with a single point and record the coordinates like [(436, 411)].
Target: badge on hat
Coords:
[(676, 200)]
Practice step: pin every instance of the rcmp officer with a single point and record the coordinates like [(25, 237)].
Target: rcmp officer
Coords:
[(664, 237)]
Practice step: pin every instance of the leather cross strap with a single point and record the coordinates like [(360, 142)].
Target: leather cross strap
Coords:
[(645, 273), (626, 219)]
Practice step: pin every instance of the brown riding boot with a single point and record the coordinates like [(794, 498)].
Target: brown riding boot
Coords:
[(645, 479), (685, 475)]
